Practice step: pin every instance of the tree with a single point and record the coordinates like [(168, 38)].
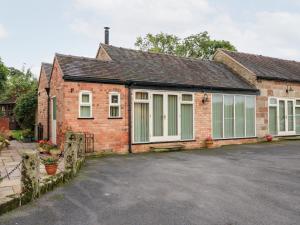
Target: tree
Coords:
[(159, 43), (25, 109), (3, 75), (19, 83), (197, 45)]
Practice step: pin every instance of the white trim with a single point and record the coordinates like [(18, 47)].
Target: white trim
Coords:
[(90, 103), (165, 94), (114, 104), (285, 100), (245, 100)]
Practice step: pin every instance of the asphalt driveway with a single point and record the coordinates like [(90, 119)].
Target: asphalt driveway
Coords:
[(233, 185)]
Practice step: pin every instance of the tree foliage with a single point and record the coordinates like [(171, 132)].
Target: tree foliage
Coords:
[(198, 45), (3, 75), (25, 109), (22, 86), (18, 83)]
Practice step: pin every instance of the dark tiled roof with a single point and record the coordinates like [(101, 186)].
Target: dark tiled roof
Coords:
[(47, 68), (267, 67), (150, 68)]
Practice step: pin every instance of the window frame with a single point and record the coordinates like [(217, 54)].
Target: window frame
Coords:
[(285, 99), (234, 132), (114, 104), (90, 104), (165, 137)]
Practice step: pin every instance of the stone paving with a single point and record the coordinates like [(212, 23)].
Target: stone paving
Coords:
[(9, 159)]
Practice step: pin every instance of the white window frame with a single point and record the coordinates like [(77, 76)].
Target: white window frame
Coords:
[(234, 133), (114, 104), (90, 103), (294, 100), (165, 137)]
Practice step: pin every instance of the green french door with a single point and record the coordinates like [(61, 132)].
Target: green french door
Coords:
[(286, 117), (164, 117)]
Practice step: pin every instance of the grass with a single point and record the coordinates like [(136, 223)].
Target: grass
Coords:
[(17, 134)]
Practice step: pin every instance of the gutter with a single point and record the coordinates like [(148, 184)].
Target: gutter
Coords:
[(278, 79)]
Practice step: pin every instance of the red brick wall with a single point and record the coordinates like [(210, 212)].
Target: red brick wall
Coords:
[(4, 125), (56, 89), (42, 110), (111, 135)]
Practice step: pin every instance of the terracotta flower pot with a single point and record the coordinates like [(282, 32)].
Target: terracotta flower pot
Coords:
[(269, 138), (209, 144), (51, 169)]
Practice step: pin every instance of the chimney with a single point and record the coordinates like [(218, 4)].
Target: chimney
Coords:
[(106, 35)]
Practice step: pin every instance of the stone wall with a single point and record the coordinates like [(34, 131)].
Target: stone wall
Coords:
[(271, 89), (235, 66)]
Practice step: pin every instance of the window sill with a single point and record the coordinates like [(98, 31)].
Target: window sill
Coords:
[(114, 118), (234, 138), (161, 142), (85, 118)]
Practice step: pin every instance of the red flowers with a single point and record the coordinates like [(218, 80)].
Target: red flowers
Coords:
[(209, 138), (269, 137)]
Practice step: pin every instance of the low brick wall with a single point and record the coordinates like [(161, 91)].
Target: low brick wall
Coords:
[(4, 124)]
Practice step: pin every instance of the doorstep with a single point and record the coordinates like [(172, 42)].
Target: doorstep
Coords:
[(166, 148)]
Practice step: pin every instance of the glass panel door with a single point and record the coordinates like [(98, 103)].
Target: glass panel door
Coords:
[(286, 117), (158, 115), (172, 115), (290, 114)]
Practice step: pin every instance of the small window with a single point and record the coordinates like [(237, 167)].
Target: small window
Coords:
[(114, 105), (187, 97), (298, 102), (141, 96), (85, 104)]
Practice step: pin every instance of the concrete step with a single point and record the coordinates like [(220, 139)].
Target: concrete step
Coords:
[(290, 138), (167, 148)]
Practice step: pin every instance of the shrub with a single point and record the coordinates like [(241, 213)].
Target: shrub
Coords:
[(49, 159), (25, 109)]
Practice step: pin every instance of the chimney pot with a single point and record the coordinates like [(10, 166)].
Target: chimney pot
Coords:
[(106, 35)]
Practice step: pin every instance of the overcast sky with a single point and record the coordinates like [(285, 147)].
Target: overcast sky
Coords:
[(32, 31)]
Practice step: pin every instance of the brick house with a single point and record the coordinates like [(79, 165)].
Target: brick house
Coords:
[(278, 105), (43, 100), (133, 101)]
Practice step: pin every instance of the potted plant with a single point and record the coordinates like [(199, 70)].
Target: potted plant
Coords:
[(209, 142), (51, 163), (269, 137), (45, 146)]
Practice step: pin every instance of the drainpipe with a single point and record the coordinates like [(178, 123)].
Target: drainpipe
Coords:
[(48, 112), (129, 119)]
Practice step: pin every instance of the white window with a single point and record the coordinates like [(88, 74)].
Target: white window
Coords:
[(162, 116), (284, 116), (85, 104), (233, 116), (114, 105)]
